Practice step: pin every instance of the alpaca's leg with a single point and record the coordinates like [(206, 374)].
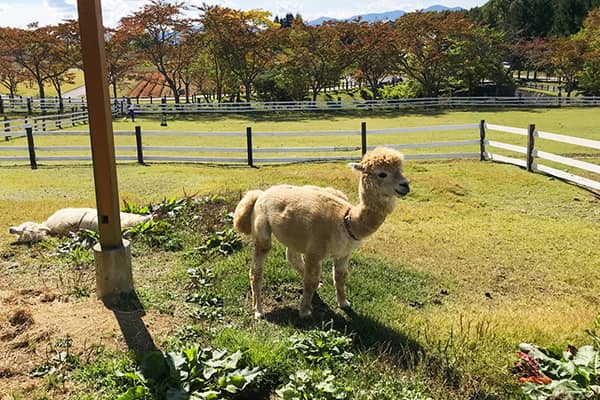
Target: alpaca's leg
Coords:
[(296, 260), (312, 273), (340, 273), (262, 244)]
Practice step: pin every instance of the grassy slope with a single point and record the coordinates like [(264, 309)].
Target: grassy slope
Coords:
[(25, 89), (514, 251)]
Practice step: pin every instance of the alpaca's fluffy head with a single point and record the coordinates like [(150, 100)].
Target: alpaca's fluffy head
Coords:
[(29, 232), (382, 172)]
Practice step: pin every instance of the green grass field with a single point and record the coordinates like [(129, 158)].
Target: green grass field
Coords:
[(31, 89), (477, 259)]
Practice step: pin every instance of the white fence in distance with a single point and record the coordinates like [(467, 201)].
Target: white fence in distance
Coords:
[(246, 155)]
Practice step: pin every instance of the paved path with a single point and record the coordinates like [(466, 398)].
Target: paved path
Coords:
[(77, 92)]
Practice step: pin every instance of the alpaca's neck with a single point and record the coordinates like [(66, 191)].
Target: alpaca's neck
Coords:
[(369, 214)]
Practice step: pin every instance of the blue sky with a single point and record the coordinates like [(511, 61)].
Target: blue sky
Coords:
[(19, 13)]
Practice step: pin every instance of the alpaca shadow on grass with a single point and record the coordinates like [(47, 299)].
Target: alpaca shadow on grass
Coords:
[(128, 311), (367, 332)]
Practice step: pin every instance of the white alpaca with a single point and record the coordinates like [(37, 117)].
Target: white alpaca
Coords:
[(68, 220), (315, 223)]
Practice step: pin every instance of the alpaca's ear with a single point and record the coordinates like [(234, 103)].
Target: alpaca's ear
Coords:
[(356, 166)]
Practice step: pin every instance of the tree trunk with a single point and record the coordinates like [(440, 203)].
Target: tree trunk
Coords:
[(41, 88), (114, 85), (247, 86)]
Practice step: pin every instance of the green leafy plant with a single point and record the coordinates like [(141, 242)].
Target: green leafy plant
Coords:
[(317, 346), (200, 277), (156, 234), (551, 373), (83, 239), (58, 364), (193, 373), (136, 209), (313, 385), (170, 207), (223, 242)]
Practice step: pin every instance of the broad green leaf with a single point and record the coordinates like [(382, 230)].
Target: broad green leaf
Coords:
[(176, 394), (585, 356)]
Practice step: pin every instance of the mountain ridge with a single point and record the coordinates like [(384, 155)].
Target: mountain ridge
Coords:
[(383, 16)]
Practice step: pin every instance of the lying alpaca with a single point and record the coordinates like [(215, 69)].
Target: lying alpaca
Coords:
[(68, 220), (314, 223)]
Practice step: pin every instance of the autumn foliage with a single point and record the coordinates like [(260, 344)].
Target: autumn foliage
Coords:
[(226, 54)]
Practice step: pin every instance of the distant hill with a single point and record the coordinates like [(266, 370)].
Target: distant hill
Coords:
[(384, 16)]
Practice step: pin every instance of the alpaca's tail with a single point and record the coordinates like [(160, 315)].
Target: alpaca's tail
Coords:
[(243, 212)]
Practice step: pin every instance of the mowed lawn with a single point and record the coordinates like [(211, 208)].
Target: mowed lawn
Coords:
[(477, 259)]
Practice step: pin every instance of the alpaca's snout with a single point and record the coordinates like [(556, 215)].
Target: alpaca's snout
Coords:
[(403, 188), (14, 230)]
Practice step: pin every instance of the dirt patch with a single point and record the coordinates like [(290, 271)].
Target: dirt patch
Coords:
[(33, 320)]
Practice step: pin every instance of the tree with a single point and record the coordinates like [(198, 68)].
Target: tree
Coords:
[(425, 41), (375, 52), (478, 57), (11, 74), (567, 58), (589, 78), (158, 33), (245, 42), (319, 54), (120, 59), (65, 55), (31, 49)]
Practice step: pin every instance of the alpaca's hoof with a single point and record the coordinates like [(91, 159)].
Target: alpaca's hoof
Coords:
[(345, 305), (305, 314), (258, 315)]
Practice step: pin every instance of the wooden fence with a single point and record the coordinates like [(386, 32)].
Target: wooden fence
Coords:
[(165, 106), (252, 155), (162, 107), (532, 153)]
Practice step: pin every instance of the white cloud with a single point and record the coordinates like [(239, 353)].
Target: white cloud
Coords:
[(21, 12)]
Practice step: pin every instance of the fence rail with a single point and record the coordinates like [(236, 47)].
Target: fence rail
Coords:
[(293, 154), (31, 106), (532, 153)]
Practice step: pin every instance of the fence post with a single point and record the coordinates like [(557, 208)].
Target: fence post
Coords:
[(31, 147), (363, 138), (29, 106), (163, 104), (482, 140), (6, 128), (1, 105), (138, 144), (249, 146), (530, 146)]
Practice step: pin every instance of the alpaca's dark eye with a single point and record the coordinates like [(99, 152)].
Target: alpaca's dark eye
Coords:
[(382, 175)]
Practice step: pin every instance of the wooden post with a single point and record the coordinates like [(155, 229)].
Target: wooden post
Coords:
[(6, 128), (530, 146), (363, 138), (249, 146), (31, 147), (112, 254), (138, 144), (29, 106), (1, 105), (482, 140)]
